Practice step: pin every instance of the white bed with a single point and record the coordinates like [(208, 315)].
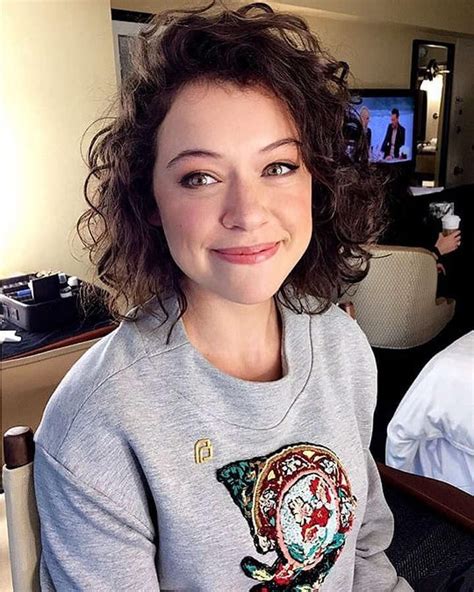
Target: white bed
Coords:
[(432, 431)]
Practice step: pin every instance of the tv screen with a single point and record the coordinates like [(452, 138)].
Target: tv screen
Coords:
[(388, 120)]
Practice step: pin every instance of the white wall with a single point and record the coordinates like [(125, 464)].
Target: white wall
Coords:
[(461, 143), (57, 69), (455, 16)]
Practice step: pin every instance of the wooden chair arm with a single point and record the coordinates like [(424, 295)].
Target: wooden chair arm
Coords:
[(450, 501)]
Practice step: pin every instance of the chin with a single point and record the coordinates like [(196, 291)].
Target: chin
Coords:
[(251, 299), (249, 294)]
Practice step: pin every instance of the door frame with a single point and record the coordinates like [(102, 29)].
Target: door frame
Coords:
[(443, 156)]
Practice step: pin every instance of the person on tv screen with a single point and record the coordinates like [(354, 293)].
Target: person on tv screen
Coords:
[(394, 138), (365, 118)]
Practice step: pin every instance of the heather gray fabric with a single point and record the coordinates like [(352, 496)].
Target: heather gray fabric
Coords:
[(123, 504)]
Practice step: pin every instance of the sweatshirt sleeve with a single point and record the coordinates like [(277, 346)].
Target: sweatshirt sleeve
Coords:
[(89, 542), (373, 570)]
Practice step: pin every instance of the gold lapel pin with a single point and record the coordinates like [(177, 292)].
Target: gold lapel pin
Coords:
[(202, 451)]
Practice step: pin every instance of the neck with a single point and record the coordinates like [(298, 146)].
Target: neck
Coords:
[(241, 339)]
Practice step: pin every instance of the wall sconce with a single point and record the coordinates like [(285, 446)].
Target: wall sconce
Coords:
[(432, 70)]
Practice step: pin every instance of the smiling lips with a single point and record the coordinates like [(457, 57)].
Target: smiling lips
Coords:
[(247, 250), (248, 255)]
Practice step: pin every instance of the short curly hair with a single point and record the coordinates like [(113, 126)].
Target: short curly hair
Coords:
[(249, 46)]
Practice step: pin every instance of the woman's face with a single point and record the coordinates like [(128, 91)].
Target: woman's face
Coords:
[(232, 189)]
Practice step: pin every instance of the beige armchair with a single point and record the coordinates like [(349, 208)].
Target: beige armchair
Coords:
[(396, 304)]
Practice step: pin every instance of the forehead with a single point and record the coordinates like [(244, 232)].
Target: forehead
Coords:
[(213, 111)]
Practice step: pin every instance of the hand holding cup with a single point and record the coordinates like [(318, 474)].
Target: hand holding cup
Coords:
[(447, 243)]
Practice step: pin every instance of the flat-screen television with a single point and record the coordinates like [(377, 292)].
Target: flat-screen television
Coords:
[(388, 119)]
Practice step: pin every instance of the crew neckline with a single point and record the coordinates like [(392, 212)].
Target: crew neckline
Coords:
[(206, 362), (231, 399)]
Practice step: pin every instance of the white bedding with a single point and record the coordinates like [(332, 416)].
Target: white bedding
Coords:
[(432, 431)]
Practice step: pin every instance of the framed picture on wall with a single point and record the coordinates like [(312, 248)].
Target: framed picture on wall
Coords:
[(126, 25)]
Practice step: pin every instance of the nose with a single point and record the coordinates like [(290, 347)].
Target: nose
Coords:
[(245, 206)]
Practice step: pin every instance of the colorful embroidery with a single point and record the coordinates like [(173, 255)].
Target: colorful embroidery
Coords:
[(298, 503)]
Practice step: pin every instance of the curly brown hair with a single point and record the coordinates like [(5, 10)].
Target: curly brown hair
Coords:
[(252, 45)]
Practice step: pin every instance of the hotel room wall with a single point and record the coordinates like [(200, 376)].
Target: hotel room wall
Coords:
[(57, 66), (59, 74), (461, 129), (455, 16)]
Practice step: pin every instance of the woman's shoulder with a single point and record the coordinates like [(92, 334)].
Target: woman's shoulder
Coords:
[(109, 376), (109, 356), (334, 322), (334, 335), (343, 334), (343, 359), (84, 434), (340, 346)]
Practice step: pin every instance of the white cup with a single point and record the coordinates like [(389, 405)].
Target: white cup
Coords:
[(450, 223)]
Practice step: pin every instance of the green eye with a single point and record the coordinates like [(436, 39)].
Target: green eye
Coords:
[(279, 165), (185, 180)]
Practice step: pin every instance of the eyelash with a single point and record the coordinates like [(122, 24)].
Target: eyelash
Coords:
[(186, 178)]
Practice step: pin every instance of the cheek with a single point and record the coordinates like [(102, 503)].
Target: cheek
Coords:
[(185, 224), (301, 212)]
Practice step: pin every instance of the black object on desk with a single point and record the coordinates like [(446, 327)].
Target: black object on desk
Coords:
[(44, 309), (45, 288)]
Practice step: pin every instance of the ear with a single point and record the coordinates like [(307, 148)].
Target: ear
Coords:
[(154, 218)]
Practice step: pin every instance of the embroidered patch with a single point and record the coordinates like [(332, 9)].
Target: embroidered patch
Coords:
[(298, 502)]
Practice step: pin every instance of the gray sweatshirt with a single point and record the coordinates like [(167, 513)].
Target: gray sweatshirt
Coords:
[(154, 470)]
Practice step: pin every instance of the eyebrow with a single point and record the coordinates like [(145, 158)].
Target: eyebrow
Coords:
[(202, 152)]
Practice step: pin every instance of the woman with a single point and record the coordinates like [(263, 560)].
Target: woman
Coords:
[(218, 438)]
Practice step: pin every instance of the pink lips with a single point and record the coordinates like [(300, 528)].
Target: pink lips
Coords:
[(248, 255), (247, 250)]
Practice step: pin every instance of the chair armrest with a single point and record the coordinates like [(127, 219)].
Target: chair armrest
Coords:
[(18, 446), (442, 497)]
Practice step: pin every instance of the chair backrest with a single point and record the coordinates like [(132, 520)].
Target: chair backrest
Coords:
[(24, 539), (395, 304)]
